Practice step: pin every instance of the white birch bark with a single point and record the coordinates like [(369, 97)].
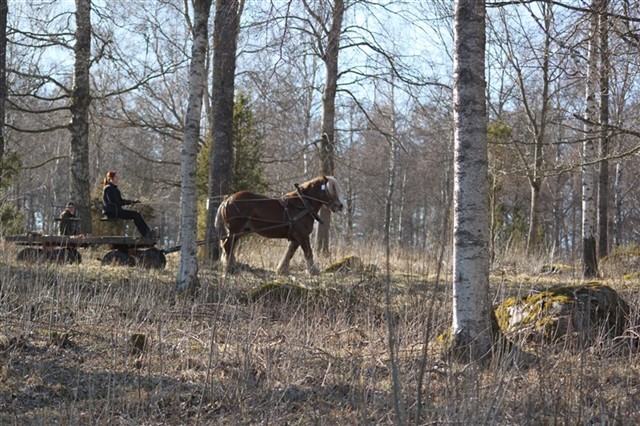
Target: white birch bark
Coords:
[(471, 307), (188, 271), (589, 201)]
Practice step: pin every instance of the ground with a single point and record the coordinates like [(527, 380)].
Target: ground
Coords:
[(71, 351)]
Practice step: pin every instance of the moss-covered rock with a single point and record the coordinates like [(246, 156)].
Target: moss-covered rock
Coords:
[(278, 291), (350, 264), (346, 264), (555, 268), (578, 315), (622, 261)]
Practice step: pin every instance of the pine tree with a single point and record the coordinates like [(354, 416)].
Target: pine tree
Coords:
[(247, 172)]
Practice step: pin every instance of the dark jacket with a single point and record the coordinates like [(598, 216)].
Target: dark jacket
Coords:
[(68, 223), (112, 200)]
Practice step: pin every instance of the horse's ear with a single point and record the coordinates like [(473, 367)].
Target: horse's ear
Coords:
[(325, 177)]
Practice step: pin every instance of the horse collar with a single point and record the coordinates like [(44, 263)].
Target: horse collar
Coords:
[(303, 198)]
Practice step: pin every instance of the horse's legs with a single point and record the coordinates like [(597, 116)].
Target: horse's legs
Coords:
[(308, 255), (283, 266), (228, 257)]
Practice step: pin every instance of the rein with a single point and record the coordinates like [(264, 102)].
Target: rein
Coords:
[(291, 220), (303, 197)]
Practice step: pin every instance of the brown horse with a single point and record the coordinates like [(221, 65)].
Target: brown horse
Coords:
[(289, 217)]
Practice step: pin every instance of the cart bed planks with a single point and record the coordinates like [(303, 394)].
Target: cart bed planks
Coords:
[(127, 251)]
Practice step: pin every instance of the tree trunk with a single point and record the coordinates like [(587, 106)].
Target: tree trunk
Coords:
[(327, 149), (533, 236), (617, 222), (80, 186), (308, 116), (225, 39), (603, 182), (388, 217), (350, 196), (540, 129), (392, 173), (188, 272), (391, 181), (472, 326), (4, 10), (400, 233), (589, 206), (561, 239)]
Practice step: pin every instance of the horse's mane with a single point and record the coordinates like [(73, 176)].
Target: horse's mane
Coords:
[(333, 188)]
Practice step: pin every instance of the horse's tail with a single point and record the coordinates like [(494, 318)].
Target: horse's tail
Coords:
[(219, 224)]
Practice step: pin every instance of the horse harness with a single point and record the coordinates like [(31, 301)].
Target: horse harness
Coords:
[(306, 205), (290, 221)]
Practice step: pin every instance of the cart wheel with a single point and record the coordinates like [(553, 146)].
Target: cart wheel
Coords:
[(66, 255), (117, 257), (30, 254), (151, 259)]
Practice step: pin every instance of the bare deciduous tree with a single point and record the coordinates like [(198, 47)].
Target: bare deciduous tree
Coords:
[(603, 180), (188, 271), (225, 39), (472, 329), (589, 205), (327, 129), (79, 182)]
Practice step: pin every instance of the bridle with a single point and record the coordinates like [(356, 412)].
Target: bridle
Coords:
[(305, 203)]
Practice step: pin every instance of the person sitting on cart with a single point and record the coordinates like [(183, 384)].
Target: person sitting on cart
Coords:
[(112, 203), (68, 220)]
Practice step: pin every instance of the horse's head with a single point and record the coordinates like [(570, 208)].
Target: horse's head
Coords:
[(323, 190), (331, 195)]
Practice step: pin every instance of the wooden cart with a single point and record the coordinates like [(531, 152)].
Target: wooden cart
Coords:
[(127, 251)]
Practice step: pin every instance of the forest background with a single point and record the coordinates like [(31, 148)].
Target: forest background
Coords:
[(95, 86), (394, 124)]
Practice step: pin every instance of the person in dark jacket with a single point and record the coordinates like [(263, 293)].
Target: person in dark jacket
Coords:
[(68, 220), (112, 203)]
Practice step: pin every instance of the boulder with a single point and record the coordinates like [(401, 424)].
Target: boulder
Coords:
[(620, 262), (576, 316)]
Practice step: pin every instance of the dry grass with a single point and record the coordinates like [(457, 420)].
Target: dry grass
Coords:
[(69, 352)]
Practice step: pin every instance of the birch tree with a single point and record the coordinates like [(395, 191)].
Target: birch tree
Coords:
[(79, 182), (589, 205), (225, 39), (188, 271), (472, 332)]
